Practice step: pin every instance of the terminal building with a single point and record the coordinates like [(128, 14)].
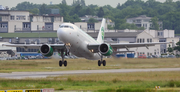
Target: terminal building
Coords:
[(23, 21)]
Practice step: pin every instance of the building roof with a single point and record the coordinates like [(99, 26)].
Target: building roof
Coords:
[(28, 35), (54, 34), (4, 14), (48, 15), (13, 11), (117, 34)]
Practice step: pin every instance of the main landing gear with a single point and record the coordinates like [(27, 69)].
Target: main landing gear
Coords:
[(62, 62), (101, 61)]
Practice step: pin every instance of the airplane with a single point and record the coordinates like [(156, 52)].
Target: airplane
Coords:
[(81, 44)]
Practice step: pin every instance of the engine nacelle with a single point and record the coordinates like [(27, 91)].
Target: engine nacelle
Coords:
[(46, 50), (105, 49)]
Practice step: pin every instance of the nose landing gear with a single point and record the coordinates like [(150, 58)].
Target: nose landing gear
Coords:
[(61, 62), (67, 50)]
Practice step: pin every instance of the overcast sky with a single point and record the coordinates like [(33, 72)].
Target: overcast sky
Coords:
[(113, 3)]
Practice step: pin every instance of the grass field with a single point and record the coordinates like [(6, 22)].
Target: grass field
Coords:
[(140, 82), (84, 64), (111, 82)]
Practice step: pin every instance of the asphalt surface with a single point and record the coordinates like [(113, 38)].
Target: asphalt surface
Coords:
[(21, 75)]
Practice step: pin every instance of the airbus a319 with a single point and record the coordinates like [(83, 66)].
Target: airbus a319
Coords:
[(81, 44)]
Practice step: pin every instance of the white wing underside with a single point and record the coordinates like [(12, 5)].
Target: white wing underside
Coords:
[(124, 45), (36, 46)]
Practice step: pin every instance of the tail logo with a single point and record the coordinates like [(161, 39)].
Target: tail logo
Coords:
[(102, 32)]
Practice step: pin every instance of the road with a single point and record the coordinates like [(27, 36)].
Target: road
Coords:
[(21, 75)]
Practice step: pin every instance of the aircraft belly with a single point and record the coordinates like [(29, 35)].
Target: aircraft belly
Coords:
[(80, 50)]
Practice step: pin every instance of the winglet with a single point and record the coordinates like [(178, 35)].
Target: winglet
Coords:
[(101, 34)]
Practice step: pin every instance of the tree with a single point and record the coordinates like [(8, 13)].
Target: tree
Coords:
[(72, 19), (76, 10), (26, 6), (118, 6), (43, 9), (75, 18), (89, 11), (78, 2), (170, 49), (83, 3), (155, 24), (100, 12), (64, 2), (92, 20), (67, 18), (34, 11), (110, 27), (64, 9), (177, 47)]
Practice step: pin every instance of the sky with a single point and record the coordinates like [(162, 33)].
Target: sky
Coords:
[(113, 3)]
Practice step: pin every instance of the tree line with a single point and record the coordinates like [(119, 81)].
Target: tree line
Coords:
[(168, 12)]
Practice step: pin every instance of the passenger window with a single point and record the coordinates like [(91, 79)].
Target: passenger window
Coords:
[(61, 26)]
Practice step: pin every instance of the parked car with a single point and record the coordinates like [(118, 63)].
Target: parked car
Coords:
[(164, 56), (142, 56), (171, 56), (154, 56), (149, 57)]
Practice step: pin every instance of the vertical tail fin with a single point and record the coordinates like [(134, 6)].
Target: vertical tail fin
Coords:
[(101, 34)]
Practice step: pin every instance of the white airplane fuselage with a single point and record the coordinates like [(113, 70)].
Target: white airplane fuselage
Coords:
[(78, 39)]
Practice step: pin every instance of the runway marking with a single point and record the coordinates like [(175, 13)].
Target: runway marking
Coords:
[(21, 75)]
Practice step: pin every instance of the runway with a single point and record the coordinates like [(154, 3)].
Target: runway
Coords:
[(21, 75)]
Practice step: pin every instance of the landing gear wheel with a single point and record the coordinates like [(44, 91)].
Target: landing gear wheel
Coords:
[(99, 63), (104, 62), (65, 63), (60, 63)]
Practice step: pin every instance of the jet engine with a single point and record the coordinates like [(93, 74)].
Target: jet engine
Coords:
[(46, 50), (105, 49)]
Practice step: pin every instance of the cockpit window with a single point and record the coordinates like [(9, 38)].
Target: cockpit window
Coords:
[(71, 27), (66, 26)]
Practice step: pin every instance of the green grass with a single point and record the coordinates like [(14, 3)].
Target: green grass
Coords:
[(84, 64), (177, 34), (111, 82)]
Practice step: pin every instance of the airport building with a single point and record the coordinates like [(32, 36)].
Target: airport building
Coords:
[(23, 21), (143, 21)]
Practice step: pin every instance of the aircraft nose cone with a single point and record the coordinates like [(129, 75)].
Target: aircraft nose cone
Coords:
[(61, 33)]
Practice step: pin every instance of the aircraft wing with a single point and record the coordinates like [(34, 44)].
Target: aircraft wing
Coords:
[(132, 45), (124, 45), (36, 46)]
